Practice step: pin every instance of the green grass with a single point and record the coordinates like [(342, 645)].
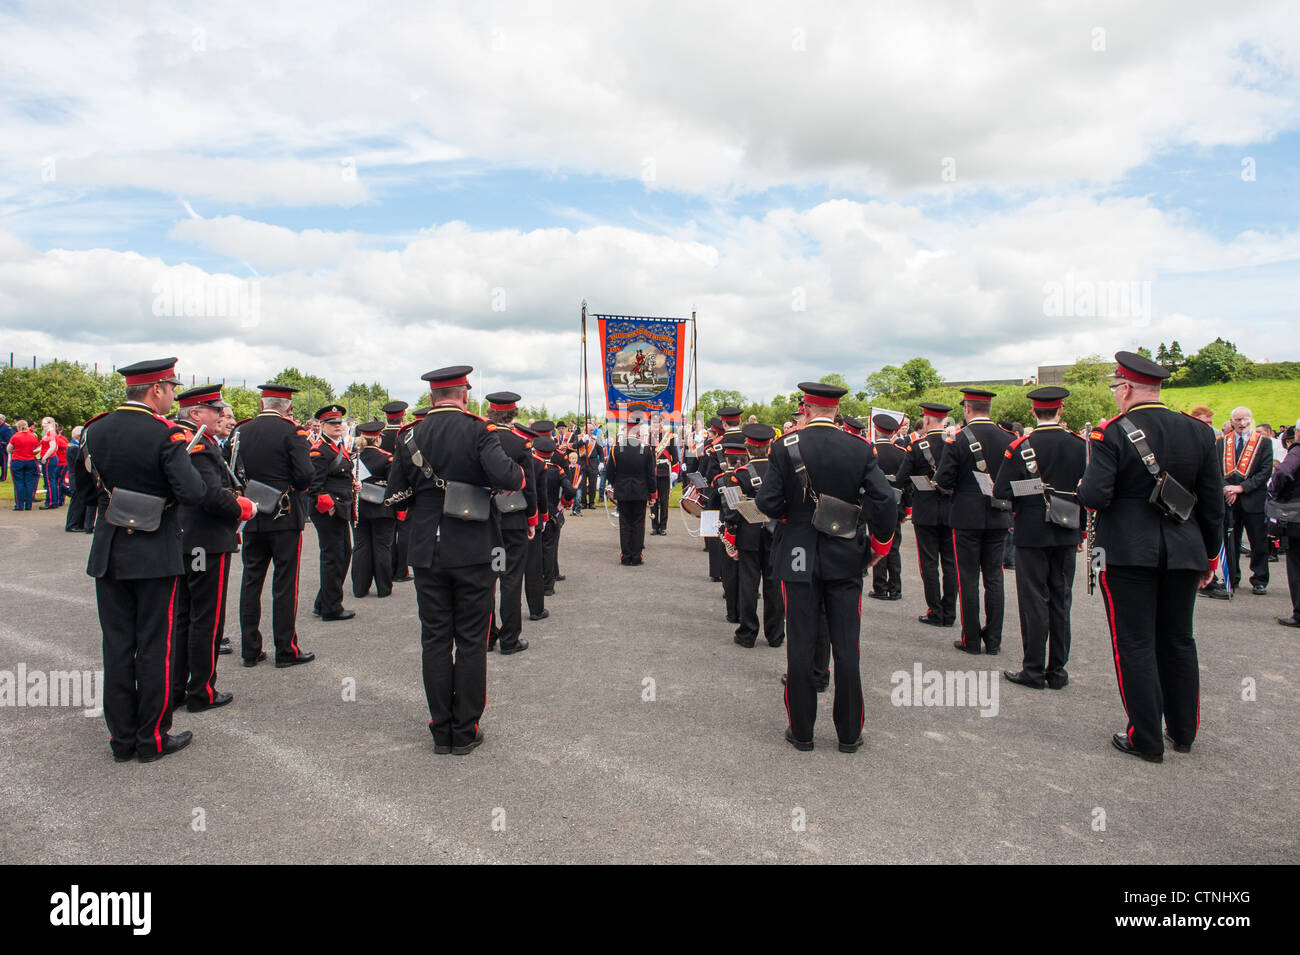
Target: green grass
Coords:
[(1274, 402)]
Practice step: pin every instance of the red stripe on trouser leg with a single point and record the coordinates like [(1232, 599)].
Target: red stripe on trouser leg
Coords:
[(167, 670), (1114, 642), (297, 562), (961, 607), (785, 692), (216, 624)]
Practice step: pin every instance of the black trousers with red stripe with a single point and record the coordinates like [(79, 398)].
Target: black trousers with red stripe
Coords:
[(509, 625), (334, 536), (755, 574), (730, 585), (534, 573), (1044, 593), (842, 600), (887, 576), (261, 549), (1150, 615), (933, 551), (201, 622), (979, 554), (455, 606), (372, 556), (138, 619)]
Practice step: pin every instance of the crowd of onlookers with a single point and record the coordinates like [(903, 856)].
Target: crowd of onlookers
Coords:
[(41, 458)]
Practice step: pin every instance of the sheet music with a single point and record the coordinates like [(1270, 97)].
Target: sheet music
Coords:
[(731, 495), (709, 523), (750, 512), (985, 483), (1027, 488), (363, 472), (922, 483)]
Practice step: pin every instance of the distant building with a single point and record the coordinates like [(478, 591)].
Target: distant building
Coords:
[(989, 381), (1052, 374)]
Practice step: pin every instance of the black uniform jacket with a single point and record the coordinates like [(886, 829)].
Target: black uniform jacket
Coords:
[(929, 508), (135, 449), (1130, 529), (332, 475), (273, 450), (518, 448), (750, 536), (842, 466), (1254, 488), (459, 447), (211, 525), (630, 471), (1059, 455), (378, 462), (971, 508), (890, 458)]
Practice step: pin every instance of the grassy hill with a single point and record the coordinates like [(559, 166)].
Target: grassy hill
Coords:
[(1274, 402)]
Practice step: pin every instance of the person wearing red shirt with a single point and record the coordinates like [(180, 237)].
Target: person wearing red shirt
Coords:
[(22, 449)]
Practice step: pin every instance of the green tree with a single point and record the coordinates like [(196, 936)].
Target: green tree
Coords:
[(365, 402), (1144, 352), (1162, 357), (890, 380), (313, 392), (1089, 370), (62, 390), (1087, 404), (920, 375), (1012, 406), (1217, 361), (1176, 359), (244, 402), (717, 398)]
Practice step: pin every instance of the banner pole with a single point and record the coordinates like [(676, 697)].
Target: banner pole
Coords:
[(695, 370), (586, 385)]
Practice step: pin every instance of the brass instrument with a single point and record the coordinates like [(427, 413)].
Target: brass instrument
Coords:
[(1090, 534)]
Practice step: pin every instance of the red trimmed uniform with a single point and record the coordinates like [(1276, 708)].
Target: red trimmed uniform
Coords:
[(137, 573), (820, 571), (1152, 564), (329, 500), (514, 534)]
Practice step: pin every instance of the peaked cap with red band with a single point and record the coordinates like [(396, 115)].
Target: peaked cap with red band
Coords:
[(453, 376), (150, 372), (1137, 369)]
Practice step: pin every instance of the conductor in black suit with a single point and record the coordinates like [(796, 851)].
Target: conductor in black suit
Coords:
[(452, 453), (630, 475), (819, 568)]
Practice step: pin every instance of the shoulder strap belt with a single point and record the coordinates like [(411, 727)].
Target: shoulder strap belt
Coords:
[(1138, 438)]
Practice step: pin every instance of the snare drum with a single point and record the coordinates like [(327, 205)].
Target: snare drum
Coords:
[(693, 501)]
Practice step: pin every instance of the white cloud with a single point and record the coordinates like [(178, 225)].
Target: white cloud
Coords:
[(882, 282)]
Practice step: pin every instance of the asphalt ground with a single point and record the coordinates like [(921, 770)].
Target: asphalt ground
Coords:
[(580, 765)]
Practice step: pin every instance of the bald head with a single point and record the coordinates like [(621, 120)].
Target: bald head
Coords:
[(1241, 420)]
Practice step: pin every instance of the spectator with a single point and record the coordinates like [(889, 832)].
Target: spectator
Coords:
[(1285, 488), (1279, 452), (22, 447), (6, 432), (81, 490)]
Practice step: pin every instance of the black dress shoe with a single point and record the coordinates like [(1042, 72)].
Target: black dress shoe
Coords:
[(932, 620), (822, 686), (992, 651), (1288, 621), (548, 592), (1018, 676), (1121, 743), (119, 757), (1058, 683), (877, 595), (539, 616), (220, 699), (851, 747), (780, 640), (303, 657), (171, 744), (1259, 589), (341, 615), (407, 577), (962, 647), (784, 678), (470, 746), (716, 580), (224, 648), (894, 595), (747, 644), (801, 745), (561, 577), (1178, 747), (735, 620), (254, 661), (519, 647), (442, 749), (1215, 591), (315, 612)]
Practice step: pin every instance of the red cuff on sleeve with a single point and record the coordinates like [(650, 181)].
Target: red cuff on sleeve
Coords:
[(532, 520), (882, 547), (1214, 562)]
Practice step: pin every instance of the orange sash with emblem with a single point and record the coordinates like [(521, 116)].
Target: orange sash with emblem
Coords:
[(1242, 466)]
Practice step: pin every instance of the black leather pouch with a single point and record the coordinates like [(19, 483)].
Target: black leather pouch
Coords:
[(135, 510), (466, 502)]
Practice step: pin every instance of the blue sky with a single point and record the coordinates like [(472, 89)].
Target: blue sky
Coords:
[(203, 142)]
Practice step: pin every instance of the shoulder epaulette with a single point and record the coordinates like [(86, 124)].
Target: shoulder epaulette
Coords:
[(1016, 443), (94, 419)]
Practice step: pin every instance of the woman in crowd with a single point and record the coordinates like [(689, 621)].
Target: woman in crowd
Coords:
[(1285, 488), (22, 449)]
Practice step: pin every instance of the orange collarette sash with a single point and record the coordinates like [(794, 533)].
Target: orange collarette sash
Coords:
[(1241, 467)]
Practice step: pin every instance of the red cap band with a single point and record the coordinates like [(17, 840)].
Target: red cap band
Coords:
[(276, 393), (818, 400), (510, 406), (167, 374), (1047, 405), (202, 399), (453, 383), (1141, 379)]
